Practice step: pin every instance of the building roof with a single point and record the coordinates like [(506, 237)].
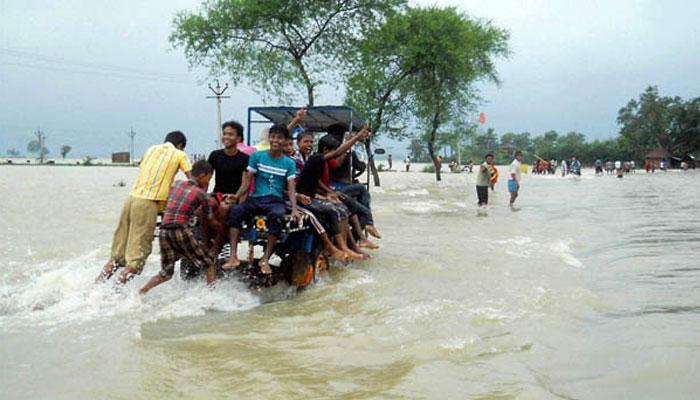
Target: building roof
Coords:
[(658, 152)]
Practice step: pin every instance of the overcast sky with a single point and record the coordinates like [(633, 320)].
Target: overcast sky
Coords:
[(88, 71)]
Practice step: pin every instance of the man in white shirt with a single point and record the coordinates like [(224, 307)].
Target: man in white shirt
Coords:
[(514, 178)]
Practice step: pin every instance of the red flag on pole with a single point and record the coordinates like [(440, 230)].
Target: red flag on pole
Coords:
[(482, 118)]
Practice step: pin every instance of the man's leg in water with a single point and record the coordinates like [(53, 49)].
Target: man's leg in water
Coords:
[(364, 242), (331, 249), (363, 213), (360, 193), (352, 244), (121, 235), (194, 250), (142, 223), (342, 241), (324, 219), (168, 256)]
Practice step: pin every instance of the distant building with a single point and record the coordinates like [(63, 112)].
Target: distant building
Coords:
[(689, 159), (121, 157), (657, 155)]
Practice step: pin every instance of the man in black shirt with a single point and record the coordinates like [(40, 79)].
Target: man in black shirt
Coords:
[(342, 181), (229, 163)]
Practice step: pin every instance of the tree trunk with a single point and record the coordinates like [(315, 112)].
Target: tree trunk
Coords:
[(307, 81), (431, 145), (372, 166), (433, 156)]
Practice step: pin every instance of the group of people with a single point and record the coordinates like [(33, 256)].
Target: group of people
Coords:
[(273, 181), (572, 167), (615, 167), (486, 174)]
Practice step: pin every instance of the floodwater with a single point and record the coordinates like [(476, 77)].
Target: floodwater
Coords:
[(590, 291)]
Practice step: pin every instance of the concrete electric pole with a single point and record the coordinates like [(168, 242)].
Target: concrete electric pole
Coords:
[(131, 134), (41, 137), (218, 92)]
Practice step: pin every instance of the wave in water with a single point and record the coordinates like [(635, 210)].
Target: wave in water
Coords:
[(525, 247), (65, 292)]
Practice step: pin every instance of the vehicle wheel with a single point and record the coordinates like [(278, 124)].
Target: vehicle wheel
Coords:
[(299, 269)]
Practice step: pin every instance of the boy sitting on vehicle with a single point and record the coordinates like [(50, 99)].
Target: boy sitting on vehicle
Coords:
[(309, 184), (177, 239), (272, 170)]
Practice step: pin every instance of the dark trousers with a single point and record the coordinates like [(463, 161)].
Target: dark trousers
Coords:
[(357, 199), (482, 193), (271, 206), (358, 192), (326, 215)]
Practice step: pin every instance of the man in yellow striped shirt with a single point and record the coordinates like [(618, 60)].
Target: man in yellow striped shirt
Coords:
[(133, 239)]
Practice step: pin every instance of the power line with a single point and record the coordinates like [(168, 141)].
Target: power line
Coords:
[(84, 64), (95, 72)]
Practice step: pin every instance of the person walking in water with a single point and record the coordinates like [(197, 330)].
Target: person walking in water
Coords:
[(575, 166), (564, 168), (483, 178), (133, 238), (390, 162), (514, 178), (177, 238), (407, 162), (598, 167)]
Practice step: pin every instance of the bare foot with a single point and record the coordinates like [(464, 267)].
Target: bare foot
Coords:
[(264, 267), (353, 256), (365, 256), (107, 271), (231, 264), (340, 256), (373, 231), (366, 243), (128, 274)]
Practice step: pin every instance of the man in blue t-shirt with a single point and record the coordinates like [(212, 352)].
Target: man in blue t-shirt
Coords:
[(273, 171)]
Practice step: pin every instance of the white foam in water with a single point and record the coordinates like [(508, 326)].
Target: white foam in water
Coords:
[(421, 207), (525, 247), (459, 343), (562, 249), (65, 292), (416, 192)]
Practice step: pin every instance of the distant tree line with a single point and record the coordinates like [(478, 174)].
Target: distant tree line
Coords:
[(34, 147), (647, 123)]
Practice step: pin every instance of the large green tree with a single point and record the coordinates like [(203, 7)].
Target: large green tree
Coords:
[(421, 66), (645, 122), (451, 52), (684, 127), (278, 46), (545, 146)]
